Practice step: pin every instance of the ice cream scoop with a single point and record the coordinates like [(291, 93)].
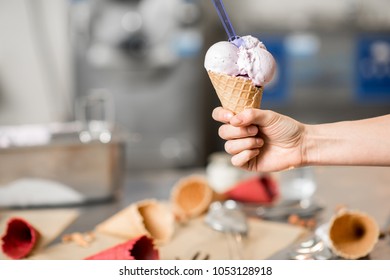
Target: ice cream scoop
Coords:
[(255, 61), (222, 57), (239, 74), (251, 60)]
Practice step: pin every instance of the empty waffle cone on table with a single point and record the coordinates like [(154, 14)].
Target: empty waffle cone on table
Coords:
[(190, 197), (148, 217), (352, 234), (20, 238), (139, 248), (25, 233), (262, 189)]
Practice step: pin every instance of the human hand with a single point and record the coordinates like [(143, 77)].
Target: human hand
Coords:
[(261, 140)]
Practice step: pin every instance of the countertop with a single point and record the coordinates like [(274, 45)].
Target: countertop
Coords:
[(362, 188)]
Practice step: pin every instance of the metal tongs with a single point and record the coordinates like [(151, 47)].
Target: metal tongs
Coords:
[(218, 4)]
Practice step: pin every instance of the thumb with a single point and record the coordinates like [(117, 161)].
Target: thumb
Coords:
[(254, 116)]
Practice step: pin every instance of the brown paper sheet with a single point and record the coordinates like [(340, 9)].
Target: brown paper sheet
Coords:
[(72, 251), (50, 223), (264, 239)]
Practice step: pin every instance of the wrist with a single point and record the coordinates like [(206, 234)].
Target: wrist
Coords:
[(310, 151)]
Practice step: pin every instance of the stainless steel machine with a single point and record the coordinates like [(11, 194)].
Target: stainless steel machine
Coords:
[(146, 53)]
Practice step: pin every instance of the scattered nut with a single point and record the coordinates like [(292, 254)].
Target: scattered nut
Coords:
[(293, 219), (296, 220), (311, 223), (81, 239)]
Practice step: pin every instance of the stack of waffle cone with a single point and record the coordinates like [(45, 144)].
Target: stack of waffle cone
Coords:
[(352, 234), (147, 217), (190, 197), (236, 93)]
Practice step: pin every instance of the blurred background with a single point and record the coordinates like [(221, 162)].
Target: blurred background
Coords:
[(143, 60)]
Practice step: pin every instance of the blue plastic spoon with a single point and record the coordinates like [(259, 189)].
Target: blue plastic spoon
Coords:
[(218, 4)]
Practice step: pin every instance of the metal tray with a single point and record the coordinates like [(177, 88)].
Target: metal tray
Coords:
[(86, 159)]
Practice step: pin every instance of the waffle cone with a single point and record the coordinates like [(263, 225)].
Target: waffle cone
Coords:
[(258, 189), (20, 238), (147, 217), (353, 234), (236, 93), (139, 248), (191, 196)]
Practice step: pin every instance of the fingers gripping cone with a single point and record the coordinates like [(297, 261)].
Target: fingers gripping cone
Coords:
[(236, 93), (148, 217), (353, 234)]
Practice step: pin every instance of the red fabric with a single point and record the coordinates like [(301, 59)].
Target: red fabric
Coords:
[(19, 239), (140, 248), (259, 189)]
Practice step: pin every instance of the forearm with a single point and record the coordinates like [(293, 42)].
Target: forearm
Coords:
[(362, 142)]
